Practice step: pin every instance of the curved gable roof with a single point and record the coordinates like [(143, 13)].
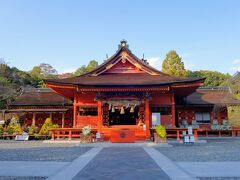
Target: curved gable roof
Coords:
[(99, 77), (124, 52)]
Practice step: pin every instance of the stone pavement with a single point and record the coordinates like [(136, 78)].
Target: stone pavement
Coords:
[(120, 161)]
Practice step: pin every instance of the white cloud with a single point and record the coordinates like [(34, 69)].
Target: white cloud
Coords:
[(188, 65), (236, 61), (70, 70), (155, 62), (67, 70), (236, 65)]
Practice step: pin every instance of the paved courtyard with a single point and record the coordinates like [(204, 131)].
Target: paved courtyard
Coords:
[(35, 160)]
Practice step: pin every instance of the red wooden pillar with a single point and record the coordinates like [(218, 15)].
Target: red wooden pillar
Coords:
[(178, 135), (34, 119), (75, 111), (63, 119), (173, 111), (195, 134), (99, 116), (147, 118)]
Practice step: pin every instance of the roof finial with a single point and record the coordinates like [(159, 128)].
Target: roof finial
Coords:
[(123, 44)]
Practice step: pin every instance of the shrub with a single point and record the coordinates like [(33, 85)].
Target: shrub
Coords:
[(32, 130), (86, 130), (14, 126), (161, 131), (233, 116), (47, 126), (1, 129)]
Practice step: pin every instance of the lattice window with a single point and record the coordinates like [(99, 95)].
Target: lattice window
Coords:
[(202, 117)]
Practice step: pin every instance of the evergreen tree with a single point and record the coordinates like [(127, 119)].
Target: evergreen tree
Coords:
[(173, 64), (84, 69)]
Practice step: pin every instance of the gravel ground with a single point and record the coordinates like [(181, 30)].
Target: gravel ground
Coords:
[(21, 178), (12, 144), (219, 178), (38, 151), (213, 150)]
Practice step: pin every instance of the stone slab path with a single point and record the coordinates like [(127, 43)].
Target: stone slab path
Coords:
[(169, 167), (77, 165)]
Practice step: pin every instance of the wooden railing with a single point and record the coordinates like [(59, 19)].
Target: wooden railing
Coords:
[(219, 133), (68, 133)]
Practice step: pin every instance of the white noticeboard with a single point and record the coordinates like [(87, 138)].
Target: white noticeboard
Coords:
[(186, 139), (190, 130), (192, 140), (156, 119), (22, 137)]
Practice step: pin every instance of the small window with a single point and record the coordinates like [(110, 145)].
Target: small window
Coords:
[(202, 117), (88, 111)]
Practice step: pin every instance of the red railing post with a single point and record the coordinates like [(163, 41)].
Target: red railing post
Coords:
[(53, 134), (70, 135), (58, 134), (195, 134), (178, 136)]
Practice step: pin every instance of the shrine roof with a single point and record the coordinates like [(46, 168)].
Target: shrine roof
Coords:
[(123, 69), (40, 97), (212, 96), (123, 80)]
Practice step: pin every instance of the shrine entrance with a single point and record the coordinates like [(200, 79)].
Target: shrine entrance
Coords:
[(124, 116), (123, 112)]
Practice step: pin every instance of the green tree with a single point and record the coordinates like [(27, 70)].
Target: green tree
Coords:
[(11, 82), (213, 78), (84, 69), (173, 64), (47, 71), (42, 71)]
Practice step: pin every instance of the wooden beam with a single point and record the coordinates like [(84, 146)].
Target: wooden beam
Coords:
[(3, 114), (63, 119), (147, 118), (99, 116), (75, 111), (173, 111), (34, 119), (50, 116)]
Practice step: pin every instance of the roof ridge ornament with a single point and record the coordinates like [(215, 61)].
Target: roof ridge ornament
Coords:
[(123, 44)]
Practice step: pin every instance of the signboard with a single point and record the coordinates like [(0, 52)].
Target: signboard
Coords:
[(23, 137), (190, 130), (156, 119)]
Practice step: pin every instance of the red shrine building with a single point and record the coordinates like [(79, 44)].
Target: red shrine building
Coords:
[(125, 92)]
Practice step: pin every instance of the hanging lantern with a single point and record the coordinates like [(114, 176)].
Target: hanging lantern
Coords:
[(132, 109), (122, 110), (113, 109)]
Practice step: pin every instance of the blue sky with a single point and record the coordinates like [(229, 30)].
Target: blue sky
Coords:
[(68, 34)]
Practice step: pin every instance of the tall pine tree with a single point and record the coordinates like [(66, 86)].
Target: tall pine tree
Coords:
[(173, 64)]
